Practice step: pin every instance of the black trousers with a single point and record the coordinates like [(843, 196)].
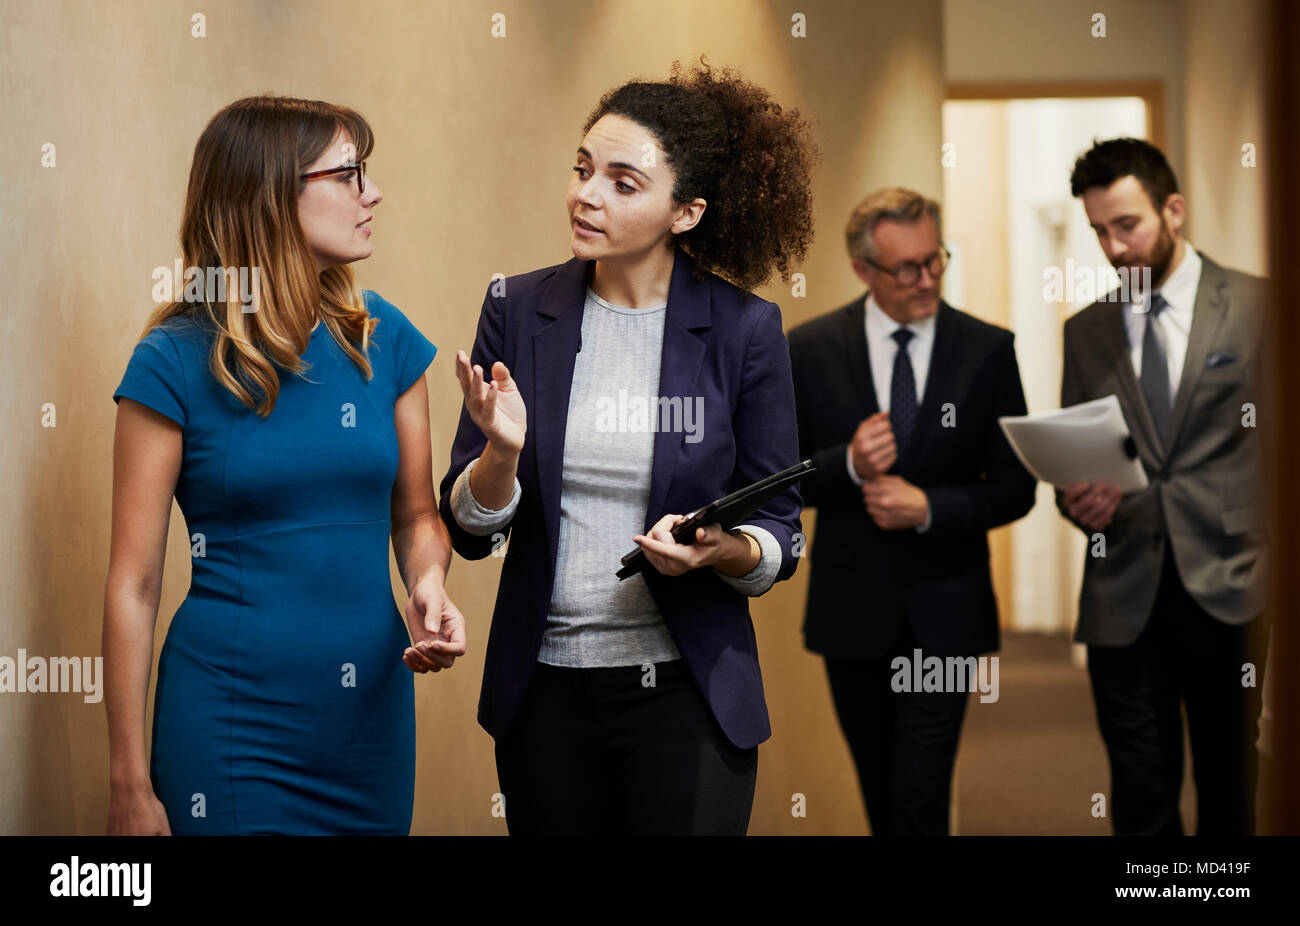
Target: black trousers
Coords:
[(595, 751), (1184, 655), (904, 744)]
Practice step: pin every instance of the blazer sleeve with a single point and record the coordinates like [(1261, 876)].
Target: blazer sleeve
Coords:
[(829, 485), (1071, 394), (1007, 490), (489, 347), (766, 431)]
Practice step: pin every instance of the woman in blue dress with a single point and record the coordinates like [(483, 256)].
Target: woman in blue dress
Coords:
[(289, 418)]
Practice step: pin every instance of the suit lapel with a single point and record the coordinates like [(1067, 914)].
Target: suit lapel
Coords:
[(937, 377), (555, 348), (858, 362), (679, 369), (1208, 313)]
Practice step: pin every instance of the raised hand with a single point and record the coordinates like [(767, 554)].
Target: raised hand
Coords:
[(495, 406)]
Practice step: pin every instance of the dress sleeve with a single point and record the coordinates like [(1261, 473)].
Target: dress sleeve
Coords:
[(410, 350), (155, 377)]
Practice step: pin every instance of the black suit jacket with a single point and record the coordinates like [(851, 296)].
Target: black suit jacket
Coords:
[(865, 581)]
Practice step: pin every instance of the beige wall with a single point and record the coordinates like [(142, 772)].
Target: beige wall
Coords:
[(474, 140), (1049, 41), (1226, 199), (1207, 55)]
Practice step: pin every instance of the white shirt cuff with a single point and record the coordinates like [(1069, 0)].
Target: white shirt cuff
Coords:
[(760, 578), (848, 460), (473, 517), (926, 525)]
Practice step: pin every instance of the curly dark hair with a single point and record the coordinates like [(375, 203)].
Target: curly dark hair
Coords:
[(1107, 161), (728, 142)]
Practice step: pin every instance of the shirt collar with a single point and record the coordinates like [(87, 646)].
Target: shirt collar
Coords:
[(1180, 289), (882, 325)]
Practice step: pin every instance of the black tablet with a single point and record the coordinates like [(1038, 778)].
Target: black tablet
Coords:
[(728, 511)]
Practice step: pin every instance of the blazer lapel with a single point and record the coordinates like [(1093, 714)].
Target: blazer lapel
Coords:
[(858, 362), (936, 381), (1209, 310), (679, 369), (555, 348)]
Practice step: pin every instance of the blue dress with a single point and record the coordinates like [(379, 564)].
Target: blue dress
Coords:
[(282, 703)]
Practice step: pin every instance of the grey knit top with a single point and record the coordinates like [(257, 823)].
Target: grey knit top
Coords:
[(594, 618)]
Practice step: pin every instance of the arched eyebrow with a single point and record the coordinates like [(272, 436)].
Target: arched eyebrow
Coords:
[(617, 165)]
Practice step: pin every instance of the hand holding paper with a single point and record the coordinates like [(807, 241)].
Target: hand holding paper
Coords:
[(1091, 505), (1082, 443)]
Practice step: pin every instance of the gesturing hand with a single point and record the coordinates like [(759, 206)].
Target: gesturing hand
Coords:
[(496, 407), (437, 628)]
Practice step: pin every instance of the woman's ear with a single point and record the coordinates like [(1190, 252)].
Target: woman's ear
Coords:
[(688, 216)]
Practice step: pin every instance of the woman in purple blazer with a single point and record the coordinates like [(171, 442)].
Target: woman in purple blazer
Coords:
[(626, 387)]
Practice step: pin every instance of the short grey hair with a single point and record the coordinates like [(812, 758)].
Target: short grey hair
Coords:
[(893, 203)]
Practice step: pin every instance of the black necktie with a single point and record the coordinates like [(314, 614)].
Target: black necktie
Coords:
[(902, 391), (1155, 368)]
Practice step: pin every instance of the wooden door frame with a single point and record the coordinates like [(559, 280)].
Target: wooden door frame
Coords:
[(1279, 798), (1152, 92)]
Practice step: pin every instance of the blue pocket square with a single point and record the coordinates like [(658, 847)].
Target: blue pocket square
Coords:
[(1221, 359)]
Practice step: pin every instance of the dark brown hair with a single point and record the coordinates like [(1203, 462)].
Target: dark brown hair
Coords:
[(728, 142), (1107, 161)]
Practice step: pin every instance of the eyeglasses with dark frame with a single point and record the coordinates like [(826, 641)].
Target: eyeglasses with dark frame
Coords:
[(359, 167), (909, 272)]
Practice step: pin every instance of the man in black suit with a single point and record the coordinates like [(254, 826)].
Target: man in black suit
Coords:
[(898, 396), (1171, 612)]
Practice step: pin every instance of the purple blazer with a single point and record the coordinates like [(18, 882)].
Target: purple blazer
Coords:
[(720, 343)]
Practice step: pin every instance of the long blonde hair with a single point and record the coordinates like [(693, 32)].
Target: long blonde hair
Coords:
[(241, 211)]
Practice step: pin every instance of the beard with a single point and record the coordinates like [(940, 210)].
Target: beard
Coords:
[(1161, 256)]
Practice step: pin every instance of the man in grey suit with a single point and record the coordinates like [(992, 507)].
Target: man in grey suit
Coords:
[(1173, 587)]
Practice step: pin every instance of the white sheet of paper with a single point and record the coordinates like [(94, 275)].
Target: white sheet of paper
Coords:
[(1082, 443)]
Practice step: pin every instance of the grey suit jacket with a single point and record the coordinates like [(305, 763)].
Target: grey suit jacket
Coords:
[(1205, 496)]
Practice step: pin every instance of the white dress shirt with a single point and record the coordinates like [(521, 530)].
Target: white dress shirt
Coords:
[(1173, 324), (881, 350)]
